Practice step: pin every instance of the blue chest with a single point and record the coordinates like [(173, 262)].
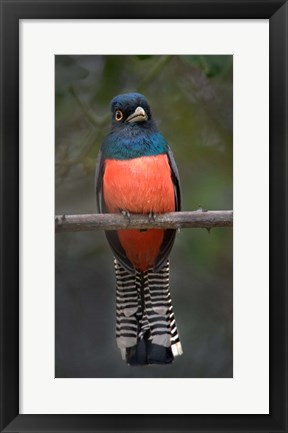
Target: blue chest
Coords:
[(132, 143)]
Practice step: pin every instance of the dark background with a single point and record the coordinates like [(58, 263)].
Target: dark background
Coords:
[(192, 102)]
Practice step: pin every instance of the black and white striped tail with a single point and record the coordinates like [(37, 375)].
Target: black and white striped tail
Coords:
[(146, 330)]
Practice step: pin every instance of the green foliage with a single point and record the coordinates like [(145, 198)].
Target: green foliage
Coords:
[(67, 72), (212, 66), (144, 57)]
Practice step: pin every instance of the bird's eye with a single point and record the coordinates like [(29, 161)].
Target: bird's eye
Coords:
[(118, 115)]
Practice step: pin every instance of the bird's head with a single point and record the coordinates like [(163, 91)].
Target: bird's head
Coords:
[(130, 109), (133, 133)]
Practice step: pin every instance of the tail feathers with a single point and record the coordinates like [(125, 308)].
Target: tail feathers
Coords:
[(146, 330)]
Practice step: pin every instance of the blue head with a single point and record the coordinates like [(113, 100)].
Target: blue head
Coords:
[(133, 133), (130, 109)]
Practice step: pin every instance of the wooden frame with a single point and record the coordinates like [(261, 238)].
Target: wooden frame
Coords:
[(11, 12)]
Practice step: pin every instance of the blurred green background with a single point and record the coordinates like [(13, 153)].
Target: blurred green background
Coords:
[(191, 98)]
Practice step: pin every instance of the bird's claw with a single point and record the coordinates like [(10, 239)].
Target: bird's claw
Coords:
[(200, 209), (126, 214), (151, 216)]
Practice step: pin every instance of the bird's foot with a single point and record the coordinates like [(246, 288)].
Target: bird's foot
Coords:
[(126, 214), (200, 209), (151, 217)]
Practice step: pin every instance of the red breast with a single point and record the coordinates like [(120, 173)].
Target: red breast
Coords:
[(140, 185)]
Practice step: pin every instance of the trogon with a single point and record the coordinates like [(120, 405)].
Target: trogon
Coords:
[(136, 174)]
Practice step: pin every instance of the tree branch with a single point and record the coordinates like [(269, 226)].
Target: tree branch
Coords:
[(173, 220)]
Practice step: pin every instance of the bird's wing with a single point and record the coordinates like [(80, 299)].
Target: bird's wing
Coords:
[(118, 251), (175, 179), (99, 182), (111, 235), (169, 236)]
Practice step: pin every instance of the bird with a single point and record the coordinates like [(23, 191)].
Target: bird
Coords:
[(136, 174)]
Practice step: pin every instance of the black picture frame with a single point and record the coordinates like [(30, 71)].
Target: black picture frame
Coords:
[(13, 11)]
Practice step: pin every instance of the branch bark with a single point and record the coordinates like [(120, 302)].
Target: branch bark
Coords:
[(173, 220)]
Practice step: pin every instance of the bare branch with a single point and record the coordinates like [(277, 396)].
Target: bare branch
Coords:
[(173, 220)]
